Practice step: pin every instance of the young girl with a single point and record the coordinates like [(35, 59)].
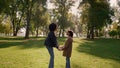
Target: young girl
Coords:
[(67, 48)]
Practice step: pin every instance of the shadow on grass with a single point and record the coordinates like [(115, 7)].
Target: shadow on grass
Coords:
[(9, 44), (24, 44), (21, 43), (104, 48), (75, 65), (11, 38), (33, 44)]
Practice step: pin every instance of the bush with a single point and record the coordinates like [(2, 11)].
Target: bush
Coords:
[(118, 29), (113, 33)]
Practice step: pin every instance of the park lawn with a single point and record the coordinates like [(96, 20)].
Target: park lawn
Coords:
[(15, 52)]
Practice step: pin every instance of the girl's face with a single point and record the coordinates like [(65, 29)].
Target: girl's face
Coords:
[(67, 33)]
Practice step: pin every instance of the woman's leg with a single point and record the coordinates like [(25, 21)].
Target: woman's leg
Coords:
[(67, 62), (51, 52)]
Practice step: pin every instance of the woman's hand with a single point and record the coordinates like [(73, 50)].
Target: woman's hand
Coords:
[(60, 48)]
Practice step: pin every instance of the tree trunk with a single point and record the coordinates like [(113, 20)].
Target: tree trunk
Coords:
[(15, 34), (88, 33), (63, 31), (29, 10), (18, 25), (119, 36), (92, 33), (28, 24), (96, 33), (45, 31), (60, 32), (14, 30), (37, 33)]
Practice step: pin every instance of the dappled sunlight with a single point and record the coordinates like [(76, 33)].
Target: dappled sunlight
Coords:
[(25, 25), (31, 53), (98, 53), (104, 48)]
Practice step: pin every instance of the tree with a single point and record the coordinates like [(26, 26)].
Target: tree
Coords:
[(113, 33), (4, 5), (118, 30), (40, 18), (5, 27), (63, 7), (19, 9), (2, 28), (118, 12), (99, 15), (29, 4), (15, 10), (84, 16)]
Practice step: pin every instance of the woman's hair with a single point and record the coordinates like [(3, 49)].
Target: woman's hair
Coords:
[(70, 33), (52, 27)]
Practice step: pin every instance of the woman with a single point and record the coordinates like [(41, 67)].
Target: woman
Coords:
[(67, 48), (51, 42)]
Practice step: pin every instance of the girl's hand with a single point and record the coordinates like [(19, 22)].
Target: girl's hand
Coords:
[(60, 48)]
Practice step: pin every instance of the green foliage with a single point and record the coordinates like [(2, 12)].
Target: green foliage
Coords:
[(15, 10), (118, 30), (2, 28), (113, 33), (30, 5), (4, 5), (40, 18), (98, 14), (19, 10), (5, 28), (62, 9)]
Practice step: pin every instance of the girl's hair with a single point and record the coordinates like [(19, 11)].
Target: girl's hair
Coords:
[(70, 33), (52, 27)]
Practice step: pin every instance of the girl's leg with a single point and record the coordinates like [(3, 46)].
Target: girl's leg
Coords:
[(67, 62), (51, 52)]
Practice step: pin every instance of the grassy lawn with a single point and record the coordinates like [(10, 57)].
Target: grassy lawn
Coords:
[(20, 53)]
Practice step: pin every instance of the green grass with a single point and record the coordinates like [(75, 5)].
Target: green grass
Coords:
[(20, 53)]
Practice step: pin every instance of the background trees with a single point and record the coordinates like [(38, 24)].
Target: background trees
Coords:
[(35, 16), (62, 10), (98, 15), (40, 18), (20, 12)]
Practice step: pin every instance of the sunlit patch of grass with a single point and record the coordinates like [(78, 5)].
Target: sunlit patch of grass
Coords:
[(16, 52)]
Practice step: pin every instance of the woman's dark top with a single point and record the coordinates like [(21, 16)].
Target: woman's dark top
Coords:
[(51, 40)]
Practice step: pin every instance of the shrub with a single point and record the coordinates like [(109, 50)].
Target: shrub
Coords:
[(113, 33)]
